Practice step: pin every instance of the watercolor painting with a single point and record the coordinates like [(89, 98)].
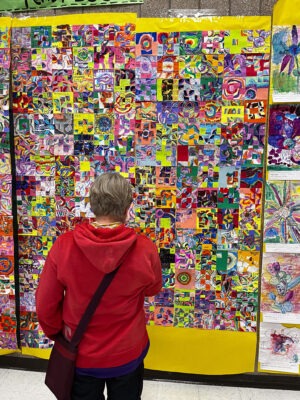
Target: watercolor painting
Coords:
[(279, 348), (282, 212), (280, 291), (286, 64), (284, 138)]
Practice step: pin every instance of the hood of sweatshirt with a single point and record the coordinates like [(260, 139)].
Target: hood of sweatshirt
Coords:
[(105, 248)]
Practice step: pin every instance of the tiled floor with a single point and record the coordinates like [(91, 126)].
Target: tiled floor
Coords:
[(26, 385)]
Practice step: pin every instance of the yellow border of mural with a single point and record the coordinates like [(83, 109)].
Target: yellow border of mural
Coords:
[(194, 351), (286, 12), (5, 352), (5, 21), (93, 18), (199, 351)]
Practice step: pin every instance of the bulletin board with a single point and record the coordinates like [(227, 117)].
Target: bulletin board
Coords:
[(207, 80), (179, 108), (279, 335), (69, 79)]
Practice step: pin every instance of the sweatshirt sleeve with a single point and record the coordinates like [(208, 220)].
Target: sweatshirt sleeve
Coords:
[(49, 298), (156, 284)]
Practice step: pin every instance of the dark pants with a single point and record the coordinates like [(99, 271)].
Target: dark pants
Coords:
[(126, 387)]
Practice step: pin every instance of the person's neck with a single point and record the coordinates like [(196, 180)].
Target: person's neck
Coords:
[(106, 221)]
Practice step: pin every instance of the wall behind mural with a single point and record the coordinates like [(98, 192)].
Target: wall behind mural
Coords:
[(159, 9)]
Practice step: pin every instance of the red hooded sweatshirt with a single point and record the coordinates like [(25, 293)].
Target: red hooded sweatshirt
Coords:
[(75, 265)]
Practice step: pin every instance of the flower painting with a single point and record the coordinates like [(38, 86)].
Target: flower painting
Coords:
[(286, 63)]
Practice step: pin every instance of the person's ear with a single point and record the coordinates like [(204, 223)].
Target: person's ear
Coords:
[(128, 212)]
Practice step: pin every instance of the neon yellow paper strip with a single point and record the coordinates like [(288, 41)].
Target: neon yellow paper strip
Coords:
[(286, 12), (105, 18), (28, 5)]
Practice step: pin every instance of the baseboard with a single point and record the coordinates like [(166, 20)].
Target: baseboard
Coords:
[(257, 380)]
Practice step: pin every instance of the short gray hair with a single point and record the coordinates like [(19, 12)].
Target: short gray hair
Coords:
[(111, 195)]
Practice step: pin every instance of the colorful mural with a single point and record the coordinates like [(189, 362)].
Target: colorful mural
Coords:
[(180, 114)]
